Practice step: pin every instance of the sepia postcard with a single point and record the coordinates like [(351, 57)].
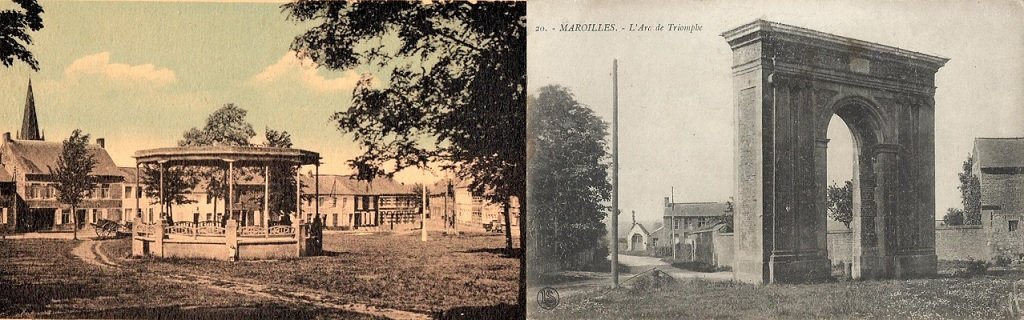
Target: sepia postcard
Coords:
[(262, 159), (775, 159)]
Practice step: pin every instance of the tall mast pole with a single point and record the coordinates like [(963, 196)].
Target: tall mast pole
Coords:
[(615, 173)]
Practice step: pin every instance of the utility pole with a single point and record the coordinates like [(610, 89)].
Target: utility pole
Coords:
[(423, 214), (615, 173)]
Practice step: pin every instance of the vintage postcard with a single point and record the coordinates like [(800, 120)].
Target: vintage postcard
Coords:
[(776, 159), (262, 159)]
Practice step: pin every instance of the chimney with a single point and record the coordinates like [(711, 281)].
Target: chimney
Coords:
[(7, 136), (102, 142)]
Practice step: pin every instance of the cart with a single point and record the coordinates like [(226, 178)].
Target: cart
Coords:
[(110, 229)]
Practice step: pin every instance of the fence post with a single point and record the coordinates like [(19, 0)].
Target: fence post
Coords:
[(231, 239), (158, 238), (300, 245), (138, 245)]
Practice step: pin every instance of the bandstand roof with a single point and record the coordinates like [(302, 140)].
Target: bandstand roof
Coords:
[(219, 155)]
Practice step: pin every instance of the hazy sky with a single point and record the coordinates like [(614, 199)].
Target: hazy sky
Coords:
[(140, 74), (675, 89)]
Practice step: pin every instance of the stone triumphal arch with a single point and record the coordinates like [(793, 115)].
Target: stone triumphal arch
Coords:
[(788, 83)]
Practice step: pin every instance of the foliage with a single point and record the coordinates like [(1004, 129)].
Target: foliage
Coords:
[(282, 176), (698, 266), (14, 28), (840, 202), (569, 177), (456, 93), (178, 181), (728, 217), (954, 217), (654, 280), (72, 178), (227, 126), (970, 193), (970, 268)]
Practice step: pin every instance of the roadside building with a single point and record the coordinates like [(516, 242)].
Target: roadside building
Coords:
[(999, 165), (32, 164), (680, 218), (347, 203), (468, 208)]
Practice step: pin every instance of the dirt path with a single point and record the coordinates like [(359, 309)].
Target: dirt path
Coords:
[(91, 253)]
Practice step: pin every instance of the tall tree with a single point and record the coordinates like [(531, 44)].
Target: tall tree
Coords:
[(954, 217), (226, 126), (568, 173), (840, 202), (178, 182), (727, 217), (14, 28), (456, 93), (970, 193), (72, 174), (282, 176)]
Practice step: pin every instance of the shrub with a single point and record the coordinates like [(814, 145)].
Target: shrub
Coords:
[(1002, 261), (656, 279), (970, 268), (698, 266), (662, 251)]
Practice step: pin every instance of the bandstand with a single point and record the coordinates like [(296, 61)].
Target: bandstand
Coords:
[(229, 241)]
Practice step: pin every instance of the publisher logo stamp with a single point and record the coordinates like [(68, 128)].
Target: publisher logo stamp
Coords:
[(547, 298)]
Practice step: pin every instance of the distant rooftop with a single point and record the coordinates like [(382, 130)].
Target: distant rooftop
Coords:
[(999, 152), (695, 209)]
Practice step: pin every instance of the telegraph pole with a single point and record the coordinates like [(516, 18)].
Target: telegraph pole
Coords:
[(423, 214), (615, 173)]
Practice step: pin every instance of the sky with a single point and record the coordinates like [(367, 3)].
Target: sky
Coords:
[(676, 125), (139, 74)]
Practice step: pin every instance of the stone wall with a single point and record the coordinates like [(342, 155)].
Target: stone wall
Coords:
[(840, 246), (723, 244), (961, 243)]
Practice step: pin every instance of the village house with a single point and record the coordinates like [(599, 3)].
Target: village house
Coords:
[(680, 218), (999, 166), (30, 161), (469, 210), (348, 203), (201, 206)]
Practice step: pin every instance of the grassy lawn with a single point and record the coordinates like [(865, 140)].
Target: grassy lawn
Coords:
[(42, 279), (944, 297), (467, 272)]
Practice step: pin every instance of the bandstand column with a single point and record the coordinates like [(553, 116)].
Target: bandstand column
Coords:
[(136, 193), (298, 192), (231, 189), (162, 205), (316, 188), (266, 196)]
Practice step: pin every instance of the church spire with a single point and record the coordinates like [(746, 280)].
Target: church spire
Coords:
[(29, 124)]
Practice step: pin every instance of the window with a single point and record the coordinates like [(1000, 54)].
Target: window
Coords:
[(320, 201), (127, 192), (65, 217), (1012, 225), (151, 215), (334, 203), (209, 217), (105, 191)]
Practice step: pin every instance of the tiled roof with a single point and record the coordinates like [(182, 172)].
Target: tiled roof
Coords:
[(346, 184), (40, 157), (999, 152), (695, 209)]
